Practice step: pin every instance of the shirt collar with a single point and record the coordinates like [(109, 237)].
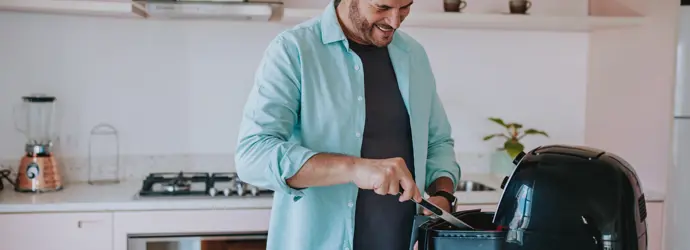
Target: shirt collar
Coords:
[(330, 26)]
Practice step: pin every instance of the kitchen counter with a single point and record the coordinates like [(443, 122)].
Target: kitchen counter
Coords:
[(116, 197), (81, 197)]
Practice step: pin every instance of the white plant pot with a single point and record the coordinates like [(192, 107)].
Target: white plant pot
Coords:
[(502, 164)]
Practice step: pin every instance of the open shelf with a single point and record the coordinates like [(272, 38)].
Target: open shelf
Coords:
[(273, 13), (111, 8), (450, 20)]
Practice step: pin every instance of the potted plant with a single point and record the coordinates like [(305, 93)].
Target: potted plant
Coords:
[(502, 159)]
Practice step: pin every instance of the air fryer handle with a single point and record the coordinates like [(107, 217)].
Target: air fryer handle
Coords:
[(519, 157), (517, 160)]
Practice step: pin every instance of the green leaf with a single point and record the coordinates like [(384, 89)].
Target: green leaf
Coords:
[(499, 121), (513, 147), (533, 132), (488, 137)]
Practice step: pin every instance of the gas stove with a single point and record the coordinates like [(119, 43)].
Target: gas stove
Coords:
[(198, 184)]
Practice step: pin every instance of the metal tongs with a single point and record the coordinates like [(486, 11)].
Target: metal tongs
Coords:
[(446, 216)]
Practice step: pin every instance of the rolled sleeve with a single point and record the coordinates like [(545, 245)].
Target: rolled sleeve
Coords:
[(294, 159), (441, 160), (266, 156)]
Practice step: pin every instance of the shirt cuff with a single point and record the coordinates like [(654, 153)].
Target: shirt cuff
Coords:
[(292, 162)]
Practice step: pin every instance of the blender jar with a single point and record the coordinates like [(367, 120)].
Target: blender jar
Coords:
[(35, 117)]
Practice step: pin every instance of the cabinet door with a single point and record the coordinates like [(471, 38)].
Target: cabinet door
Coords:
[(193, 222), (74, 231)]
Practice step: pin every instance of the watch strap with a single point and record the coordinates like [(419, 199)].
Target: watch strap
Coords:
[(450, 197)]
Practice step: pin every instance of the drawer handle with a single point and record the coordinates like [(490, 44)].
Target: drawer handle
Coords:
[(82, 222)]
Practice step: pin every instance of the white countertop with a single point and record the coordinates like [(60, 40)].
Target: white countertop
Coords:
[(122, 197), (117, 197)]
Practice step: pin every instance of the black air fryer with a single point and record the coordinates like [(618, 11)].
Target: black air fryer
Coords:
[(559, 197)]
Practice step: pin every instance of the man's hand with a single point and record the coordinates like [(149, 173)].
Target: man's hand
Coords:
[(440, 202), (385, 177)]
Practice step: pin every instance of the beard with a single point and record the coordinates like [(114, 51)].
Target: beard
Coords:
[(379, 35)]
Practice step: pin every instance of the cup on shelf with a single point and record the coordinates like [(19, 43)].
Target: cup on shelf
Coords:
[(519, 6), (454, 5)]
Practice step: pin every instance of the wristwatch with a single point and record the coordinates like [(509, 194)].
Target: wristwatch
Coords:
[(450, 197)]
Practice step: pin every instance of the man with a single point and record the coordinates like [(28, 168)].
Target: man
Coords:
[(345, 125)]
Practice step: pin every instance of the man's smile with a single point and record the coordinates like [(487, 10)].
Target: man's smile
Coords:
[(384, 29)]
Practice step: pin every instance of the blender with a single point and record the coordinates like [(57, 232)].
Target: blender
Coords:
[(38, 168)]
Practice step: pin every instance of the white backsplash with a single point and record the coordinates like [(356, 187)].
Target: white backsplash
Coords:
[(178, 87), (175, 90), (136, 167)]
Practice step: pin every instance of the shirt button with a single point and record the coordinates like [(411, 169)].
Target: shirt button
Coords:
[(350, 204), (356, 67), (358, 134), (359, 98)]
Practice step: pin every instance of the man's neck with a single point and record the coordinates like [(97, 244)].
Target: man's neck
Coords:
[(342, 11)]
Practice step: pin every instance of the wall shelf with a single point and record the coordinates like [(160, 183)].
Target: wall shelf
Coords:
[(110, 8), (442, 20), (445, 20)]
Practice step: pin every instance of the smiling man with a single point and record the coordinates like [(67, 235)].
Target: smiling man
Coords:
[(345, 125)]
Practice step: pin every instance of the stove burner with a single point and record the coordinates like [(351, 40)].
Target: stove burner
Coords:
[(177, 185), (198, 184)]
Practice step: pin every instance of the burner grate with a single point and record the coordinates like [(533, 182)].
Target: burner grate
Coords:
[(195, 184)]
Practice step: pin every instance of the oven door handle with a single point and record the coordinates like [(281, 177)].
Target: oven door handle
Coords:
[(199, 237), (139, 242)]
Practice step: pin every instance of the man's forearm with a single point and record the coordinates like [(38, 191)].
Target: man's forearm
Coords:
[(324, 169), (441, 184)]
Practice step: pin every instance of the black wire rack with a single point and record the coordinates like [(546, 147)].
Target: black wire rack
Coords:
[(6, 175)]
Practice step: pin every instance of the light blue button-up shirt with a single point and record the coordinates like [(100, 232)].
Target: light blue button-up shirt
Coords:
[(308, 97)]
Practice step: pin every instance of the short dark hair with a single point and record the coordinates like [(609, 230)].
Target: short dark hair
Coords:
[(336, 2)]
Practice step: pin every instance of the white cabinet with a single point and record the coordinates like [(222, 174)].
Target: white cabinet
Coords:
[(73, 231), (190, 222)]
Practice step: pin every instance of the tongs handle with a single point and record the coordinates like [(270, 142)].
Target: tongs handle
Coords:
[(445, 215)]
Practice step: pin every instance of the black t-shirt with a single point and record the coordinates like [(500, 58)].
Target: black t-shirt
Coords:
[(382, 222)]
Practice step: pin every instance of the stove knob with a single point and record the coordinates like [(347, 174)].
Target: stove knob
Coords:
[(240, 187), (255, 191), (226, 192), (212, 191)]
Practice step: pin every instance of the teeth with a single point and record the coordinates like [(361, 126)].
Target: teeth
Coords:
[(383, 29)]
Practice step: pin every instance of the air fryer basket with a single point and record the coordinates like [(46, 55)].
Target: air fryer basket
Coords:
[(438, 234)]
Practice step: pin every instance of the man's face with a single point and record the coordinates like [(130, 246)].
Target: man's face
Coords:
[(375, 21)]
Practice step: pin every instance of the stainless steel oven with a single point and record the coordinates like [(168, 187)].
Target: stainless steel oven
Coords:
[(234, 241)]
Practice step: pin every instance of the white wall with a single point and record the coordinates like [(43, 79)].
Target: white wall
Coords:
[(630, 90), (178, 87)]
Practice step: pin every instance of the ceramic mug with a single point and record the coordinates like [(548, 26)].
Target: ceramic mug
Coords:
[(454, 5), (519, 6)]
